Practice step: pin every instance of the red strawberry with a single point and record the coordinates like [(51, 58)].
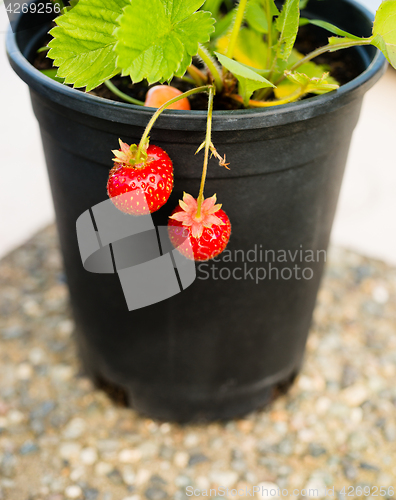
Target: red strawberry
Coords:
[(149, 182), (199, 238)]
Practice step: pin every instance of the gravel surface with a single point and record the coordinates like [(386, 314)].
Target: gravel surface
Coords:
[(62, 439)]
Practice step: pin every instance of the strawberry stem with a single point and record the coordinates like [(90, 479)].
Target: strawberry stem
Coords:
[(212, 66), (197, 75), (236, 28), (144, 140), (208, 143), (269, 34), (116, 91)]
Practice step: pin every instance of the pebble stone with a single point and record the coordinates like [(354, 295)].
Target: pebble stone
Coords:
[(28, 447), (37, 356), (88, 456), (130, 456), (197, 458), (181, 459), (268, 490), (103, 468), (225, 479), (24, 371), (91, 493), (60, 438), (70, 451), (155, 494), (128, 475), (73, 491), (74, 429)]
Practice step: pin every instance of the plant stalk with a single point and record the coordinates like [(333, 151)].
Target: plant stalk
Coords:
[(197, 75), (121, 94), (236, 28), (155, 116), (208, 142), (206, 58), (269, 35), (187, 80), (271, 63)]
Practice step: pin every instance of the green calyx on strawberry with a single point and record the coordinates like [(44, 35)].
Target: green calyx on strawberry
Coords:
[(140, 183), (127, 155), (199, 237)]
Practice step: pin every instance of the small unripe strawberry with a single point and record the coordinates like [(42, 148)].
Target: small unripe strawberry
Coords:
[(160, 94)]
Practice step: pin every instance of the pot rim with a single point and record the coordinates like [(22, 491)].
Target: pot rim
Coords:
[(110, 110)]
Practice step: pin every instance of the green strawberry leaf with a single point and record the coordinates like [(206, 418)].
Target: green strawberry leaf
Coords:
[(157, 38), (384, 30), (273, 7), (223, 24), (329, 27), (249, 80), (213, 6), (287, 24), (83, 43), (256, 17), (51, 73)]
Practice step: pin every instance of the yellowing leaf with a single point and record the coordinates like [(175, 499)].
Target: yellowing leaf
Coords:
[(309, 85), (250, 48), (311, 69)]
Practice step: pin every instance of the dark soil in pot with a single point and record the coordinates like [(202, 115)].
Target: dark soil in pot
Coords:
[(222, 347)]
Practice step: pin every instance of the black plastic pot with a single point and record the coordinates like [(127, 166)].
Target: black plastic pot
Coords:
[(219, 348)]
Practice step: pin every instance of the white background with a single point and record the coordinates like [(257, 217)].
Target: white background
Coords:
[(366, 216)]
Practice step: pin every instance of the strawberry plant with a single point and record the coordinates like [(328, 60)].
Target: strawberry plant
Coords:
[(248, 52), (244, 53)]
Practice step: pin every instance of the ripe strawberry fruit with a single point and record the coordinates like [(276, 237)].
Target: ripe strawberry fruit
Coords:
[(160, 94), (199, 238), (149, 182)]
